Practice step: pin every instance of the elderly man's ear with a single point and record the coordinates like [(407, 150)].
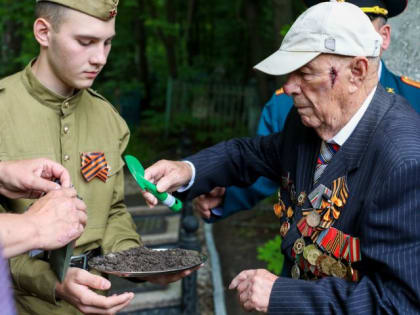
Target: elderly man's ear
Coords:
[(358, 72)]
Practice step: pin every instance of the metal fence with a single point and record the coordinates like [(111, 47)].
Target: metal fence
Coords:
[(212, 107)]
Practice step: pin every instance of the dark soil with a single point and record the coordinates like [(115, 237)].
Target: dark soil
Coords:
[(143, 259)]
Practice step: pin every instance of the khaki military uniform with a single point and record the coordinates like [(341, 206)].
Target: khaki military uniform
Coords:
[(35, 122)]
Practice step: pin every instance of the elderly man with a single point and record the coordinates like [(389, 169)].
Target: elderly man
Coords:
[(348, 163), (220, 204)]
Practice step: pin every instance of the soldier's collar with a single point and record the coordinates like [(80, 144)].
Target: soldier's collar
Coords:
[(45, 96)]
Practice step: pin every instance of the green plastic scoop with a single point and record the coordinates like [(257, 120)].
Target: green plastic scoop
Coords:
[(137, 170)]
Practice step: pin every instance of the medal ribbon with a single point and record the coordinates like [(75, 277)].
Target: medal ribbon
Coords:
[(94, 165), (304, 228)]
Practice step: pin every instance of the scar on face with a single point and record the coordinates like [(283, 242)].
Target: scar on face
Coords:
[(333, 76)]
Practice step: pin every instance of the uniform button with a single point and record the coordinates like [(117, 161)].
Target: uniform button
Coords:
[(66, 105), (66, 157), (66, 129)]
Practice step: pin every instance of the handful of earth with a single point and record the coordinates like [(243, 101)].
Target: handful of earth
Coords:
[(143, 259)]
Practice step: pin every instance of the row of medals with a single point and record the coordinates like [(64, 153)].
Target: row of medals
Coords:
[(309, 258)]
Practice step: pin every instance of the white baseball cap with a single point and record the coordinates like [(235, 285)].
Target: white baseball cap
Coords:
[(339, 28)]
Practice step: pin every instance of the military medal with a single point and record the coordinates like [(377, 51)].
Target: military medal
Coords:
[(338, 270), (301, 199), (289, 212), (307, 249), (313, 255), (299, 246), (326, 265), (284, 228), (295, 271), (279, 207), (313, 219)]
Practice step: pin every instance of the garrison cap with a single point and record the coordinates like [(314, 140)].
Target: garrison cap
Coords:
[(386, 8), (101, 9)]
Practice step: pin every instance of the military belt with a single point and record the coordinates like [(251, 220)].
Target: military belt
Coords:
[(81, 261)]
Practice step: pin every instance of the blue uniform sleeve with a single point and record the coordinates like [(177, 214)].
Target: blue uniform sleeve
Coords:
[(237, 199)]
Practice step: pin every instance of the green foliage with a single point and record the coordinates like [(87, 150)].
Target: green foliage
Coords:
[(270, 252)]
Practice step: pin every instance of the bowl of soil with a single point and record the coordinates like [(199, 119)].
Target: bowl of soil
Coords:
[(143, 262)]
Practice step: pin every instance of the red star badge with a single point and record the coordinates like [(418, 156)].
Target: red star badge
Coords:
[(112, 13)]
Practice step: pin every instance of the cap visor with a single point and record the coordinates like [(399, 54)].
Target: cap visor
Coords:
[(284, 62)]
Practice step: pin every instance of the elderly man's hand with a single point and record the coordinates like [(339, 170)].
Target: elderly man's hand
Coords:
[(254, 288), (59, 217), (204, 203), (168, 176), (31, 178)]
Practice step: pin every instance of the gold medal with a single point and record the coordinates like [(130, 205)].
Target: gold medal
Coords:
[(289, 212), (313, 255), (338, 270), (295, 271), (313, 219), (307, 249), (279, 209), (326, 264), (299, 246), (284, 228)]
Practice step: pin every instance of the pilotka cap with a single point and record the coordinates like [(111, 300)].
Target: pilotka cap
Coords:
[(101, 9)]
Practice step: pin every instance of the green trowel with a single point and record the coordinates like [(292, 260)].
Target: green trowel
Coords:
[(137, 170)]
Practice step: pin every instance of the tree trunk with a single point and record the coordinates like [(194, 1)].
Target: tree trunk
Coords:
[(168, 40), (254, 43), (143, 66)]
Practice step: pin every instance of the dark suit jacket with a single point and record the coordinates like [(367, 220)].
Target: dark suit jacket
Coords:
[(381, 160)]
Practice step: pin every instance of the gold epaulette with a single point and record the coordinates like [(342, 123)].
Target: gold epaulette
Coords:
[(411, 82), (279, 91)]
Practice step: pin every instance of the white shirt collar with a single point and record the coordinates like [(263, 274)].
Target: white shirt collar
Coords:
[(347, 130)]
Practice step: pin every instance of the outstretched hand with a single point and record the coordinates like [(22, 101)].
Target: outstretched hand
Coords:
[(168, 176), (254, 289), (31, 178)]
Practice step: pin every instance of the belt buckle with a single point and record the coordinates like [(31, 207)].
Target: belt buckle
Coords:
[(79, 258)]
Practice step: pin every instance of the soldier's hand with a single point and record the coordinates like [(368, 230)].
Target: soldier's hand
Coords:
[(31, 178), (254, 289), (59, 217), (204, 203), (77, 290), (168, 176)]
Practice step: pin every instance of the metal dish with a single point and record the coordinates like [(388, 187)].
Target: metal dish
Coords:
[(145, 274)]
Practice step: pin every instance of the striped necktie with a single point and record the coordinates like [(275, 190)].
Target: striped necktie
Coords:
[(326, 153)]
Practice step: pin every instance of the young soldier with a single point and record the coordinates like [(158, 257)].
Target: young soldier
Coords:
[(55, 114)]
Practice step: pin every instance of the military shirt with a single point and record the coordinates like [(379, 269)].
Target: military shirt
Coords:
[(35, 122)]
